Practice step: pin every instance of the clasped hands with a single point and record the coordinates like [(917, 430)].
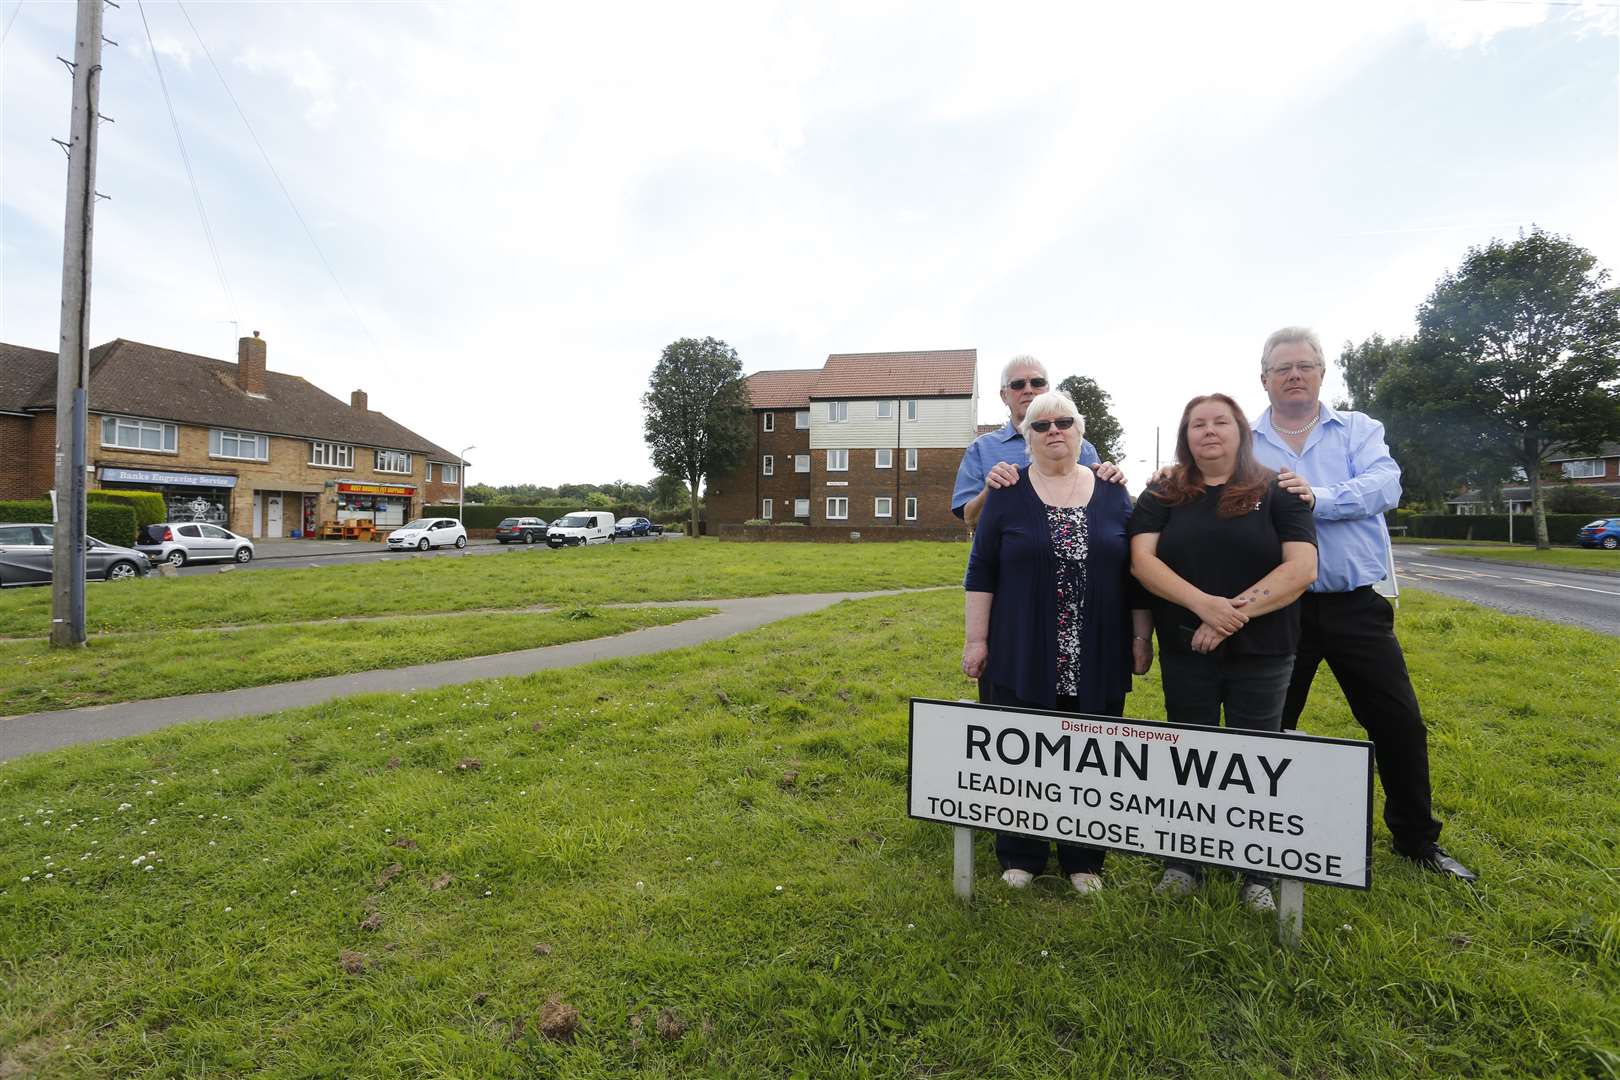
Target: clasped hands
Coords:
[(1221, 619)]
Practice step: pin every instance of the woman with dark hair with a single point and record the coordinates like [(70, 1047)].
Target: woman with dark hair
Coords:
[(1226, 553)]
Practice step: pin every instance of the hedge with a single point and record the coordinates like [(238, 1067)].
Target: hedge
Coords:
[(487, 517), (1561, 528), (149, 506), (106, 521)]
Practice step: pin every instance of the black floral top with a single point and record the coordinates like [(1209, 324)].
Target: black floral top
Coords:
[(1069, 543)]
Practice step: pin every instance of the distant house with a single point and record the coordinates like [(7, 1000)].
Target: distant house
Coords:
[(1600, 472), (257, 451), (868, 440)]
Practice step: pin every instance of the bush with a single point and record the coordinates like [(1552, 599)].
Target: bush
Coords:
[(1561, 528), (1580, 499), (149, 506), (113, 523)]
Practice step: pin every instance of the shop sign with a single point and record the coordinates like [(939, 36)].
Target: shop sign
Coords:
[(377, 489), (110, 475)]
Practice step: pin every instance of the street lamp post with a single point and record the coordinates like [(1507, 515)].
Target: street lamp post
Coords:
[(461, 475)]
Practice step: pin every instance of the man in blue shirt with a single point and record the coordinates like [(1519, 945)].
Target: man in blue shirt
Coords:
[(994, 458), (1338, 463)]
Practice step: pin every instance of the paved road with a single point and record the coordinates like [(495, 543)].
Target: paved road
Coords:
[(1587, 600), (301, 554)]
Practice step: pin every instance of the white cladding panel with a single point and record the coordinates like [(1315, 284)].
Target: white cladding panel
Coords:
[(940, 422)]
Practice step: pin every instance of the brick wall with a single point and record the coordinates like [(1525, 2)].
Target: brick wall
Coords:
[(17, 473), (830, 534)]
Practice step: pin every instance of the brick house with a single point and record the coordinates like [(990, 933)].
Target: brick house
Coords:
[(868, 440), (1600, 472), (257, 451)]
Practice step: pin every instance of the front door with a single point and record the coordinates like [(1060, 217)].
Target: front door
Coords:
[(272, 515)]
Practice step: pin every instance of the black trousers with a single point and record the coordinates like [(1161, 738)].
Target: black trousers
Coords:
[(1355, 633), (1030, 853)]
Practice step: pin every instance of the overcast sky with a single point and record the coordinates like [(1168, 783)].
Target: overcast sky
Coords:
[(524, 203)]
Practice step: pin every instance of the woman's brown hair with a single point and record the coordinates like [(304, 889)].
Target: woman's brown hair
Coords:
[(1249, 480)]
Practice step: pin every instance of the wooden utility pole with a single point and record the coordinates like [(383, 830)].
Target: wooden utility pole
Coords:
[(73, 358)]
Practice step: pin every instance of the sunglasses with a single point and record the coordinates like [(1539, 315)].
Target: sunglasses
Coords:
[(1036, 383), (1062, 423)]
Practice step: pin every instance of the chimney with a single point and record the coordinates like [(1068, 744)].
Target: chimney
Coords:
[(357, 400), (250, 364)]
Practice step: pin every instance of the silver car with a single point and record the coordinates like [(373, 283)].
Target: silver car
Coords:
[(26, 556), (180, 542)]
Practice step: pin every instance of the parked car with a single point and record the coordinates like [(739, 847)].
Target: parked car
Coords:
[(180, 542), (520, 530), (26, 557), (581, 527), (1603, 533), (632, 526), (424, 533)]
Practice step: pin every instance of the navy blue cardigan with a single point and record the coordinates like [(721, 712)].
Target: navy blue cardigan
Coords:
[(1012, 558)]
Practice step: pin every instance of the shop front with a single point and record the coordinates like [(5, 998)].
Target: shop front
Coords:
[(187, 496), (386, 506)]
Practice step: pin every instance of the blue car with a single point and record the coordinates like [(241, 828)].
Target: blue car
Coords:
[(632, 526), (1603, 533)]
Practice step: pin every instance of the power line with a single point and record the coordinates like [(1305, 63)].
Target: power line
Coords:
[(353, 310), (196, 192)]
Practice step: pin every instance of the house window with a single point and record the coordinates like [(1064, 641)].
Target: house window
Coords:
[(767, 421), (838, 461), (911, 409), (837, 411), (838, 509), (767, 464), (765, 509), (885, 458), (449, 474), (801, 507), (128, 434), (393, 461), (911, 459), (1584, 469), (911, 508), (801, 420), (331, 455), (238, 444), (801, 462), (883, 506), (885, 410)]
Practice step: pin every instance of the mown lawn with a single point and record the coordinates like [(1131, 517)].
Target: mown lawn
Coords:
[(611, 573), (706, 853), (130, 667), (1574, 558)]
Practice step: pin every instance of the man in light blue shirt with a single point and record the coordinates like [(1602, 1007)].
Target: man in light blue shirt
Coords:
[(994, 458), (1339, 463)]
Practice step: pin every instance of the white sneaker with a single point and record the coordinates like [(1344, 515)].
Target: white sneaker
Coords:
[(1018, 879), (1176, 883), (1086, 884), (1257, 898)]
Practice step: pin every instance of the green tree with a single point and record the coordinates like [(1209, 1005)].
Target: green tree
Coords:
[(479, 493), (1536, 330), (1094, 404), (697, 413), (669, 494)]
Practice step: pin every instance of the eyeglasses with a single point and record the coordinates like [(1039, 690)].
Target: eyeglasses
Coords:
[(1062, 423), (1304, 368), (1036, 383)]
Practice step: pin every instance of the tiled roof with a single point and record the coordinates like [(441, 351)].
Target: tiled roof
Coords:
[(782, 389), (162, 384), (23, 371), (940, 373)]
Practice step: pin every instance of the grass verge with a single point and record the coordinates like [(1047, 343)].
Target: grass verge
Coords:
[(706, 853), (521, 577), (1573, 558), (131, 667)]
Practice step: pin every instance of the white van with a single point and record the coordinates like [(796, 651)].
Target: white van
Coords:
[(581, 527)]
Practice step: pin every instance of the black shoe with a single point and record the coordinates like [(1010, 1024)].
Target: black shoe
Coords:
[(1437, 860)]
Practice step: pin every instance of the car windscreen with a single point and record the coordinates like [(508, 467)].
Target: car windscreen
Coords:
[(573, 521), (419, 523)]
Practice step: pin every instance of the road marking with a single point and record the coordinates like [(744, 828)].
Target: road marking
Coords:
[(1561, 585), (1451, 569)]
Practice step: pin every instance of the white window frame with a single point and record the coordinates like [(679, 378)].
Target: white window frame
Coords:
[(393, 457), (767, 421), (883, 506), (221, 443), (838, 461), (838, 508), (168, 434), (448, 474), (885, 410), (1582, 469), (911, 508), (837, 412), (765, 509), (911, 409), (801, 420), (801, 508), (801, 463), (911, 459), (331, 455), (883, 458), (767, 465)]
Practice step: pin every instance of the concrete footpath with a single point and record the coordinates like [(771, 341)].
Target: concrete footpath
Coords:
[(32, 733)]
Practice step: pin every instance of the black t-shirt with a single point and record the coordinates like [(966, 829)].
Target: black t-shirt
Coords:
[(1223, 557)]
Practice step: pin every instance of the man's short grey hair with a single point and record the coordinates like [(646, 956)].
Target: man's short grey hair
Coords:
[(1022, 362), (1289, 335), (1050, 404)]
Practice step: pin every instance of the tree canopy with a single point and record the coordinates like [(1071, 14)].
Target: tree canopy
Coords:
[(697, 409), (1093, 402)]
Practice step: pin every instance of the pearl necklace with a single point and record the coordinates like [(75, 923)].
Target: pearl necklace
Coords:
[(1301, 431)]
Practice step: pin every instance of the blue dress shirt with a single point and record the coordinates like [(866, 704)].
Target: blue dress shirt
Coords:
[(991, 448), (1348, 466)]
